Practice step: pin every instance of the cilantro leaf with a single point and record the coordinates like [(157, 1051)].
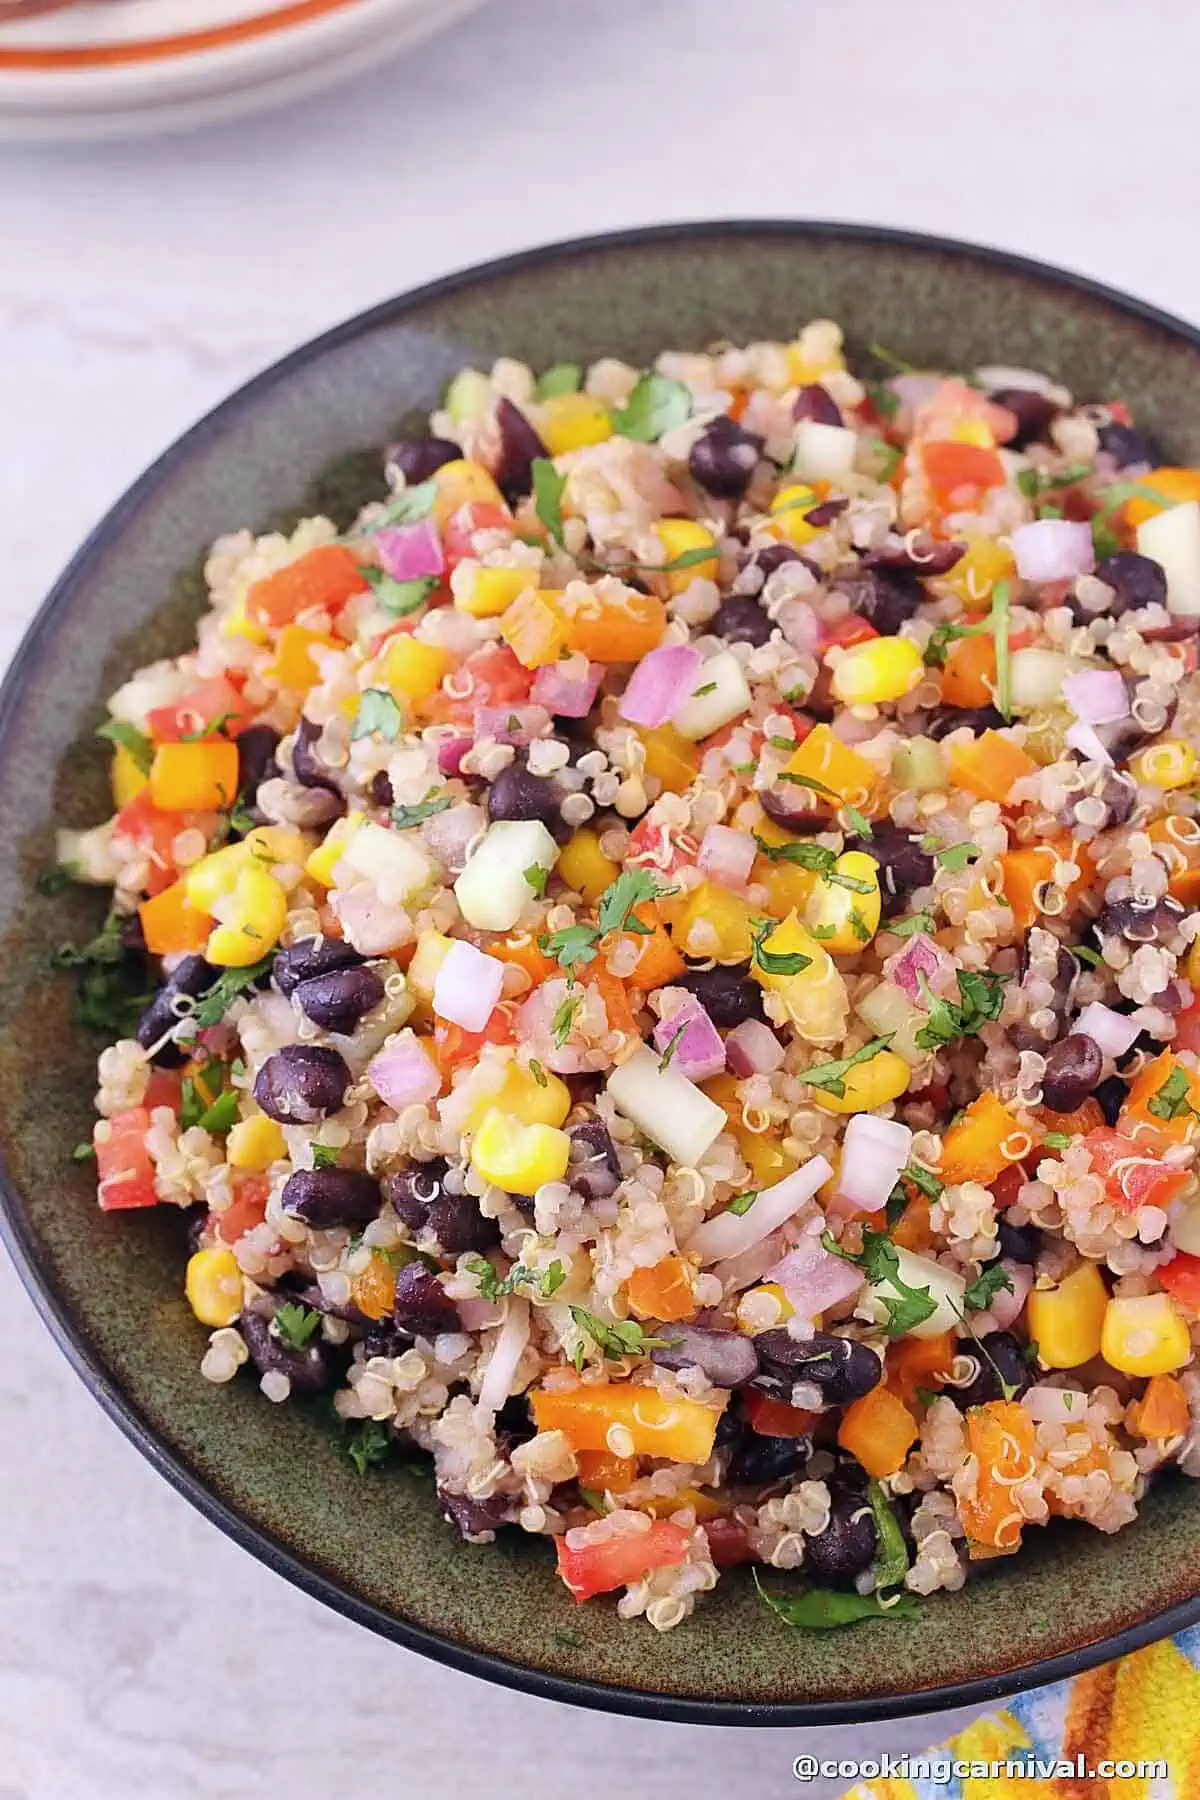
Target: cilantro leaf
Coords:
[(656, 405), (55, 879), (1171, 1101), (548, 487), (882, 354), (406, 816), (297, 1324), (538, 1073), (368, 1446), (407, 506), (83, 1153), (804, 854), (591, 1498), (981, 1000), (902, 928), (222, 1115), (399, 598), (621, 1337), (573, 945), (808, 781), (109, 985), (906, 1306), (135, 742), (891, 1551), (953, 857), (826, 1609), (564, 1018), (943, 638), (830, 1076), (986, 1285), (632, 888), (1001, 619), (859, 823), (559, 378), (664, 1061), (741, 1203), (884, 399), (924, 1180), (1057, 1140), (775, 962), (325, 1156), (378, 712), (215, 1002), (537, 877)]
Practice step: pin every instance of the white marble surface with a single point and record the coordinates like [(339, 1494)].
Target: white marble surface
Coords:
[(142, 1657)]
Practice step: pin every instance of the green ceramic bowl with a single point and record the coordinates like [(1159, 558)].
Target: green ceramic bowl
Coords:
[(303, 436)]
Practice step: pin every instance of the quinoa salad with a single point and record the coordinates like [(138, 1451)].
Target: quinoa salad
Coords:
[(661, 968)]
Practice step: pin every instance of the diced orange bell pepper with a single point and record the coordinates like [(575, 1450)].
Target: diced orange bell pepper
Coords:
[(1137, 1118), (522, 949), (990, 766), (834, 768), (1085, 1117), (534, 628), (601, 1470), (969, 677), (171, 925), (199, 777), (1175, 485), (1162, 1412), (659, 962), (1027, 869), (776, 1418), (618, 629), (323, 578), (680, 1430), (293, 666), (705, 1506), (879, 1430), (960, 474), (247, 1209), (454, 1045), (985, 1140), (1177, 841), (663, 1291), (1000, 1437), (914, 1362), (672, 759), (615, 995), (913, 1230), (374, 1290)]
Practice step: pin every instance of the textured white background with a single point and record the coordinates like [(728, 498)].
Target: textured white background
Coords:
[(142, 1657)]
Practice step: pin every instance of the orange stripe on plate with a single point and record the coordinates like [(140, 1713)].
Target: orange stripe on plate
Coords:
[(184, 44)]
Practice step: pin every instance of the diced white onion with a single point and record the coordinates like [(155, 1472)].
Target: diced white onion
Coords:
[(671, 1110), (1172, 539), (730, 1233)]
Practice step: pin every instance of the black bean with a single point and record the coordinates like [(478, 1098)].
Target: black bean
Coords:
[(726, 993), (456, 1225), (1121, 737), (916, 555), (595, 1168), (197, 1228), (841, 1367), (1135, 580), (903, 865), (301, 1083), (760, 1461), (1116, 792), (307, 767), (741, 620), (312, 957), (1002, 1370), (1126, 445), (477, 1520), (518, 794), (337, 1001), (724, 458), (794, 806), (817, 403), (1110, 1096), (419, 458), (847, 1545), (324, 1198), (191, 976), (886, 598), (770, 557), (423, 1308), (1141, 921), (945, 719), (1020, 1243), (1073, 1070), (826, 512), (256, 749), (515, 1422), (411, 1191), (726, 1357), (520, 447), (381, 788), (731, 1429), (309, 1370), (1034, 413), (1039, 947)]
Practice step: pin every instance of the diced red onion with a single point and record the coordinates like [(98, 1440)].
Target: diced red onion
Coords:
[(404, 1072), (1085, 739), (467, 986), (1006, 1303), (920, 957), (1097, 696), (511, 724), (1059, 1406), (568, 689), (730, 1233), (660, 684), (1053, 550), (451, 752), (753, 1049), (507, 1351), (727, 855), (699, 1051), (1112, 1032), (873, 1153), (812, 1279), (749, 1266), (409, 552), (449, 834)]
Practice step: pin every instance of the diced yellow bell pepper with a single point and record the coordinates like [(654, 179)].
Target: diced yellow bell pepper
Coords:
[(569, 422), (841, 916), (519, 1158), (670, 758), (127, 778), (523, 1097), (413, 670), (583, 865), (294, 666), (433, 947), (679, 1430), (198, 777), (253, 918), (974, 577), (213, 1285), (867, 1086), (485, 592), (789, 887), (1067, 1322), (679, 537), (814, 996), (975, 1149), (463, 483), (760, 1150), (834, 768), (710, 909), (325, 858), (1145, 1334), (535, 628), (763, 1307), (255, 1143)]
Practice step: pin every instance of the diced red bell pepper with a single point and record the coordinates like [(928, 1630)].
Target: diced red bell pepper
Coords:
[(1008, 1185), (1181, 1278), (728, 1541), (213, 704), (776, 1418), (1187, 1029), (247, 1209), (126, 1172), (1132, 1172), (598, 1568), (850, 629), (454, 1045), (459, 531), (154, 832)]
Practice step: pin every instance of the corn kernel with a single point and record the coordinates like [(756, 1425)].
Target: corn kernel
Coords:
[(867, 1086), (1145, 1335), (584, 866), (1167, 765), (216, 874), (760, 1150), (879, 670), (252, 919), (834, 766), (213, 1285), (973, 431), (294, 666), (845, 906), (975, 575), (761, 1308), (787, 513), (485, 592), (814, 996), (463, 483), (255, 1143), (678, 537), (413, 670), (572, 421), (325, 858), (519, 1158), (1066, 1322), (526, 1099)]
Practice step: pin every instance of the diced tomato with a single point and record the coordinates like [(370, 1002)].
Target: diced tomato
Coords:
[(154, 832), (322, 579), (460, 528), (776, 1418), (497, 679), (453, 1045), (213, 703), (598, 1568), (1181, 1278), (163, 1089), (851, 629), (960, 474), (728, 1541), (126, 1173), (1007, 1186), (662, 851), (247, 1209), (1133, 1174)]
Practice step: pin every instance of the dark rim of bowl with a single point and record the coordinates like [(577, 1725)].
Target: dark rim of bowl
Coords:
[(19, 1239)]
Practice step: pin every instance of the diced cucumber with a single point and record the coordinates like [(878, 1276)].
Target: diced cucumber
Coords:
[(720, 695), (670, 1109), (946, 1289), (386, 858), (1037, 676), (918, 766), (823, 452), (492, 890), (889, 1012), (1172, 539), (469, 397)]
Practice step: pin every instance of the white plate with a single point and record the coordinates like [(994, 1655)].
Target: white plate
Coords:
[(109, 68)]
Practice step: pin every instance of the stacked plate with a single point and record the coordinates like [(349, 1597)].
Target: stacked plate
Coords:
[(112, 68)]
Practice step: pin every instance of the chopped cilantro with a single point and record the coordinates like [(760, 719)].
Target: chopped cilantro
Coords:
[(1057, 1140), (782, 743), (944, 637), (538, 1073), (537, 877), (548, 487), (54, 880), (906, 1306), (775, 962), (621, 1337), (325, 1156), (710, 687), (108, 983), (882, 354), (664, 1061), (368, 1446), (741, 1203), (633, 887), (131, 740), (924, 1180), (858, 823), (399, 598), (858, 925), (559, 378), (918, 921), (991, 1281), (826, 1609), (377, 712), (404, 817), (890, 457), (891, 1551), (656, 405), (564, 1019), (808, 781), (296, 1324), (805, 854), (83, 1153), (573, 945), (215, 1002), (1171, 1101), (830, 1076), (591, 1498), (1105, 541), (1086, 954), (952, 857), (885, 400), (927, 1396), (222, 1115), (981, 999), (406, 506)]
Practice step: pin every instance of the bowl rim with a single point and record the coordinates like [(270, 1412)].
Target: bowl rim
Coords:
[(39, 1284)]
